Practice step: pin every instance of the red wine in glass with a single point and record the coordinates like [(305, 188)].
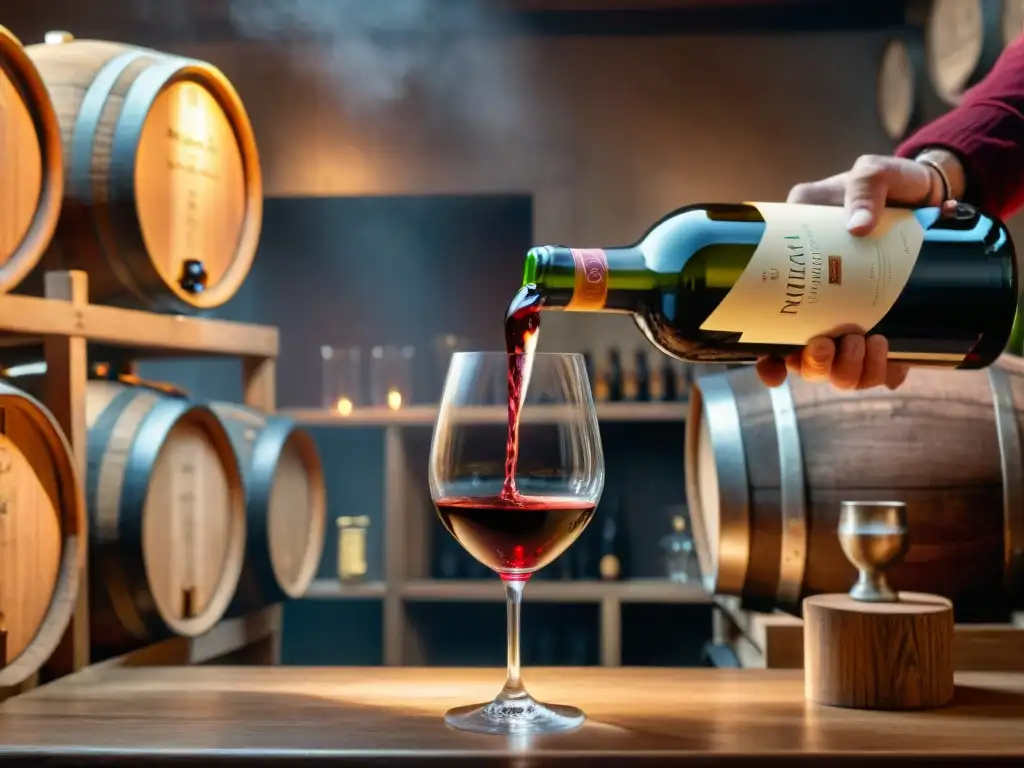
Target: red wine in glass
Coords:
[(515, 536)]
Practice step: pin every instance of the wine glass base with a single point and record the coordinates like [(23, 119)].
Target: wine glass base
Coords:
[(519, 717)]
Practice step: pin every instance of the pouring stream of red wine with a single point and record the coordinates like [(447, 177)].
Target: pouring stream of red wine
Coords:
[(522, 324)]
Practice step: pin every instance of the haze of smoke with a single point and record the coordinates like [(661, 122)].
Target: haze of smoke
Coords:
[(383, 51)]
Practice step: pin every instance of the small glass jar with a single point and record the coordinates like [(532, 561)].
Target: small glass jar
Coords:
[(341, 371)]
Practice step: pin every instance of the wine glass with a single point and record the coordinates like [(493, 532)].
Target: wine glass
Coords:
[(516, 529)]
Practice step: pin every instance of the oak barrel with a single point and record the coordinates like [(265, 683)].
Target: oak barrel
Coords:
[(164, 197), (285, 505), (31, 164), (167, 510), (766, 470), (42, 535)]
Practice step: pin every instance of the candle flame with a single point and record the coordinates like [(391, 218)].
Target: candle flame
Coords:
[(394, 399), (344, 406)]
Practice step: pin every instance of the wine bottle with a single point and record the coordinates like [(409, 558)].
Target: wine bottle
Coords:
[(615, 376), (669, 380), (643, 375), (588, 361), (610, 564), (732, 282)]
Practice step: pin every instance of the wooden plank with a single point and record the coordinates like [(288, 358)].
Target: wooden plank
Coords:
[(396, 548), (330, 589), (224, 639), (64, 394), (23, 687), (424, 416), (776, 641), (30, 318), (393, 716), (490, 590), (259, 382), (548, 6), (611, 632)]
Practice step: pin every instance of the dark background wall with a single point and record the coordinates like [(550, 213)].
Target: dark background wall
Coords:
[(406, 176), (605, 131)]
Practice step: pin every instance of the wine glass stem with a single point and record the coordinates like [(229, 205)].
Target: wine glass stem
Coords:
[(513, 599)]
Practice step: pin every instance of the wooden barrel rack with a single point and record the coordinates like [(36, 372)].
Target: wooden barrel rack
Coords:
[(57, 422)]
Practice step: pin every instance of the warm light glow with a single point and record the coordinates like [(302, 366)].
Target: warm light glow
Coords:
[(394, 399), (344, 406)]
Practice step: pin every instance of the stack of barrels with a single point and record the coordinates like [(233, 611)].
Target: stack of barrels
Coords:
[(766, 470), (139, 168), (196, 512), (135, 166)]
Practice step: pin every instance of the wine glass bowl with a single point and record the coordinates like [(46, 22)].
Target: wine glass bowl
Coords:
[(516, 498)]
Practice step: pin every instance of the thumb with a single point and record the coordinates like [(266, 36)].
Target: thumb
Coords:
[(866, 188)]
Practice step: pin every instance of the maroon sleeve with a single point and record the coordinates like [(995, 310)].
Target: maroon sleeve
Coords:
[(986, 131)]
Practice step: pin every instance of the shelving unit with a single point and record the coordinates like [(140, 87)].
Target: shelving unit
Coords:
[(65, 324), (425, 415), (407, 516)]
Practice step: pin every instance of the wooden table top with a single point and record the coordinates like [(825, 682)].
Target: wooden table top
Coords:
[(393, 716)]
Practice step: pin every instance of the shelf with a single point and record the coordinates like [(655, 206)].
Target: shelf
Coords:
[(631, 591), (426, 415), (64, 324), (323, 589), (28, 319), (227, 637)]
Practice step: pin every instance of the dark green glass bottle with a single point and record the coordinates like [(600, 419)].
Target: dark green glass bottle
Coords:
[(732, 282)]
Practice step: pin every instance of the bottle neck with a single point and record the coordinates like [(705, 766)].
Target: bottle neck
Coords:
[(589, 279)]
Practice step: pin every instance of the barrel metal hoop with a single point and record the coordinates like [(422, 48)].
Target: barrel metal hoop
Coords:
[(723, 419), (793, 555), (150, 438), (258, 458), (266, 457), (59, 613), (82, 141), (123, 154), (106, 474), (1011, 458)]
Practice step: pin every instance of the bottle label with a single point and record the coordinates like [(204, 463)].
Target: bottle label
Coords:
[(590, 290), (810, 277), (352, 553)]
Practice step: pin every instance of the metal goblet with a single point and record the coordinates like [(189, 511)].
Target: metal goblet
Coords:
[(873, 535)]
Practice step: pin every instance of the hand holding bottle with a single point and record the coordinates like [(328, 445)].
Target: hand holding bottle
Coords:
[(853, 361)]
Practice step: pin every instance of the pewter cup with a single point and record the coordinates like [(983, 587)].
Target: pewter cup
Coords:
[(873, 535)]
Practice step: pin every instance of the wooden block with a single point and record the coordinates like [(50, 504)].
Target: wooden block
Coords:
[(878, 655), (776, 641)]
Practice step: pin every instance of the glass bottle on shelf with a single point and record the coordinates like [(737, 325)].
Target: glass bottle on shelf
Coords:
[(678, 549), (352, 547), (642, 375)]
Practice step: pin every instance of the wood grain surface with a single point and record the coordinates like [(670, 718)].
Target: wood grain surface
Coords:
[(32, 161), (935, 444), (393, 716), (879, 655)]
